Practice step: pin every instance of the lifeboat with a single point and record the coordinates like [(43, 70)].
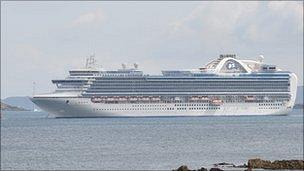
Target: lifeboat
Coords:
[(122, 99), (194, 98), (133, 99), (96, 99), (177, 99), (110, 99), (216, 101), (116, 98), (145, 98), (155, 99), (250, 98), (204, 98)]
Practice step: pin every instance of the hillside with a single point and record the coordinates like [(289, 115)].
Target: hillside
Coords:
[(6, 107), (20, 101)]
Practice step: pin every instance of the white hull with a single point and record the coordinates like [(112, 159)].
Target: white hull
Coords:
[(225, 87), (83, 107)]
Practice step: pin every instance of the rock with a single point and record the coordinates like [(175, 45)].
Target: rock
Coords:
[(202, 169), (288, 164), (185, 168), (258, 163), (216, 169), (249, 169), (224, 164), (241, 166), (182, 168), (278, 164)]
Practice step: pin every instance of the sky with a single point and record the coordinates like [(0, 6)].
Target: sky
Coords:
[(41, 41)]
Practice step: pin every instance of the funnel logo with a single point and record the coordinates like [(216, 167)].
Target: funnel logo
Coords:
[(230, 65)]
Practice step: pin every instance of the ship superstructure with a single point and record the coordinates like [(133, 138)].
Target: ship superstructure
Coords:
[(225, 86)]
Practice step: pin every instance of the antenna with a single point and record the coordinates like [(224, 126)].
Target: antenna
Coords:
[(90, 62), (34, 84), (136, 65), (87, 62)]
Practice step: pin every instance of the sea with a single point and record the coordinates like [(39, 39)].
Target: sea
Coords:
[(35, 141)]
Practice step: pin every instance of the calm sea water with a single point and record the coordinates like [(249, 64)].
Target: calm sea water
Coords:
[(30, 140)]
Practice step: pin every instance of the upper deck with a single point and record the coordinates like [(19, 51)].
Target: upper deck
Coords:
[(224, 65), (223, 75)]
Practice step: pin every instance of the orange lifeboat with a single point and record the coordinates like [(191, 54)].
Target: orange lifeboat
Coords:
[(122, 99), (250, 98), (110, 99), (204, 98), (145, 99), (216, 101), (155, 99), (96, 99), (194, 98), (133, 99)]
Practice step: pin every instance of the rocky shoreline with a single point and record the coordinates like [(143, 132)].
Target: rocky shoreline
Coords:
[(251, 165)]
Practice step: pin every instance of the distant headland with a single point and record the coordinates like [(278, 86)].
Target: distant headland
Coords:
[(6, 107), (252, 164)]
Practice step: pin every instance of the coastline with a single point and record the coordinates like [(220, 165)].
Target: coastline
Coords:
[(6, 107), (251, 165)]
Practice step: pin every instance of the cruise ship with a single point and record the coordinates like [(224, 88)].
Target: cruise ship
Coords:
[(225, 86)]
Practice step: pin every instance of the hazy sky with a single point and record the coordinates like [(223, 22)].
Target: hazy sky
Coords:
[(41, 41)]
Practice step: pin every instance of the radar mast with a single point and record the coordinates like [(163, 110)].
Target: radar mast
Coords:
[(90, 62)]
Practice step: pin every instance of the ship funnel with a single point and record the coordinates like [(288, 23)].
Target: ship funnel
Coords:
[(124, 65), (91, 62), (136, 65)]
